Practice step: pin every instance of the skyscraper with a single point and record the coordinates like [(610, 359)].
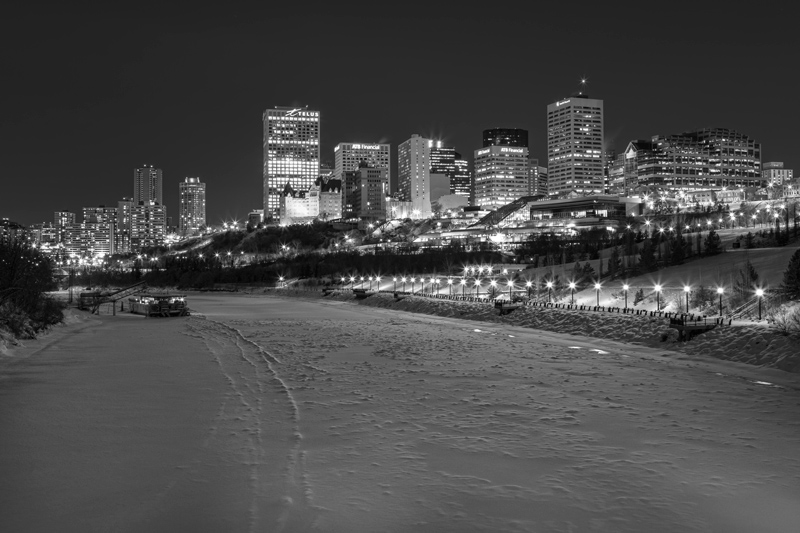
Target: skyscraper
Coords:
[(501, 175), (147, 185), (291, 152), (349, 156), (413, 169), (575, 146), (462, 183), (192, 206)]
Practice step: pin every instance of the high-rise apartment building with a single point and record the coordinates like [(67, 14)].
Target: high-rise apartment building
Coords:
[(774, 174), (147, 185), (501, 175), (291, 152), (413, 169), (122, 231), (148, 225), (61, 219), (192, 215), (575, 146), (505, 137)]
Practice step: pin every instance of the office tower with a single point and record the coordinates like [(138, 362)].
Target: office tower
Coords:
[(147, 185), (541, 180), (710, 158), (774, 174), (148, 225), (533, 176), (462, 182), (575, 146), (291, 152), (61, 219), (370, 192), (501, 175), (443, 160), (413, 169), (349, 156), (192, 214), (122, 231), (505, 137)]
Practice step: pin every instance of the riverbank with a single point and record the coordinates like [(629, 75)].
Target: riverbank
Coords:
[(751, 344)]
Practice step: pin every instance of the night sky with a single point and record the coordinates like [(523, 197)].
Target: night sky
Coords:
[(92, 92)]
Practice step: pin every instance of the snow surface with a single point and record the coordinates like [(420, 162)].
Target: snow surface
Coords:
[(281, 414)]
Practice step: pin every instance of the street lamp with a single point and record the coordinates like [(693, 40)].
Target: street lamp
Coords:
[(378, 283), (463, 286), (625, 288), (394, 279), (549, 292), (760, 294), (450, 285), (493, 283), (720, 290), (477, 287), (572, 295), (510, 288), (597, 290), (281, 280), (687, 289), (412, 285), (658, 295), (403, 279)]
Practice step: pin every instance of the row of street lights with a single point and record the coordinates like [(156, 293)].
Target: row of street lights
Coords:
[(476, 284)]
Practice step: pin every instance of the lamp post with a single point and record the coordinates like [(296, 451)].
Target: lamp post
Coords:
[(362, 282), (281, 280), (510, 289), (352, 282), (720, 290), (658, 297), (493, 284), (378, 283), (394, 280), (572, 295), (549, 292), (529, 285), (412, 285), (370, 282), (625, 288), (463, 286), (597, 290), (760, 294), (450, 285), (477, 287), (403, 279), (687, 289)]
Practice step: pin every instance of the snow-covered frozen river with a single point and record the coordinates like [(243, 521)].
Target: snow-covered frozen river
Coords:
[(272, 414)]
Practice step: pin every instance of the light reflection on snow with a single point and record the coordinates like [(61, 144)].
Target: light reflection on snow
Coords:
[(575, 347), (598, 351), (477, 331), (763, 383)]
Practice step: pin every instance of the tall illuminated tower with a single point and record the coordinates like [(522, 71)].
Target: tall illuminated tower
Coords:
[(192, 206), (291, 152), (575, 146), (414, 174), (147, 185)]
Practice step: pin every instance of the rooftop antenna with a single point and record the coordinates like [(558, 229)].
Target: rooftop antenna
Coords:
[(584, 81)]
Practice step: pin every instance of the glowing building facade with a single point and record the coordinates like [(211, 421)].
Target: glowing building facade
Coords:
[(192, 215), (413, 169), (575, 147), (501, 175), (291, 152)]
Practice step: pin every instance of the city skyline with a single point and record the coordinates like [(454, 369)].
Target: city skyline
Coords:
[(211, 76)]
